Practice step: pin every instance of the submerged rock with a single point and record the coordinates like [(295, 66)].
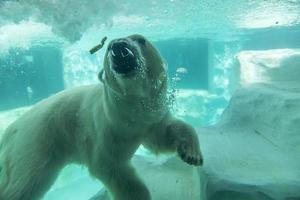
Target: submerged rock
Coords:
[(253, 152)]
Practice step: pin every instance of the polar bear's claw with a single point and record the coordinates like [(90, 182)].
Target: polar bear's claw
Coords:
[(190, 154)]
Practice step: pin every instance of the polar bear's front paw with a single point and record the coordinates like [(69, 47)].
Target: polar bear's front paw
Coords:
[(189, 152)]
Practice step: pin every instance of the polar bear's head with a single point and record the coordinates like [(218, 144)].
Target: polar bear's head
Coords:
[(133, 66)]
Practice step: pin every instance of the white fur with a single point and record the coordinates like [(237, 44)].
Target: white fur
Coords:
[(100, 126)]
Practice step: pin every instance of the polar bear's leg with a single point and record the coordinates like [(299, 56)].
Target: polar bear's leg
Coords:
[(123, 183), (173, 135), (27, 178)]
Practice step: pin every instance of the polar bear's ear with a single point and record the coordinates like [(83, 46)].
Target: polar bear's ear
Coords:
[(101, 75), (165, 64)]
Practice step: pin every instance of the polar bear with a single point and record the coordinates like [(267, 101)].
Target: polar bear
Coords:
[(100, 126)]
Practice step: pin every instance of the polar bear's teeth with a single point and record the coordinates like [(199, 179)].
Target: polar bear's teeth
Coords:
[(129, 51), (126, 53), (113, 53)]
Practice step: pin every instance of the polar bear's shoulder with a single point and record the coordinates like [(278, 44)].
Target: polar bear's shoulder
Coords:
[(75, 94), (66, 101)]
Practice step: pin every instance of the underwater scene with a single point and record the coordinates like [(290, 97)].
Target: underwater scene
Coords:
[(150, 99)]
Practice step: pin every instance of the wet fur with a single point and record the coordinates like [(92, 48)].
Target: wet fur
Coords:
[(99, 126)]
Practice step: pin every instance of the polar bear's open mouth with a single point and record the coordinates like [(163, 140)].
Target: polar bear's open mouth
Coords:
[(124, 56)]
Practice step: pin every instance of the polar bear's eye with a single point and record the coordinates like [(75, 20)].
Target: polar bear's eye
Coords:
[(141, 41)]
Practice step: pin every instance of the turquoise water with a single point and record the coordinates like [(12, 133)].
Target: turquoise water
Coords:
[(44, 48), (189, 34)]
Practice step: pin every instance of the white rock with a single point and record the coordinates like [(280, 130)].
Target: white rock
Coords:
[(280, 67), (254, 151)]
